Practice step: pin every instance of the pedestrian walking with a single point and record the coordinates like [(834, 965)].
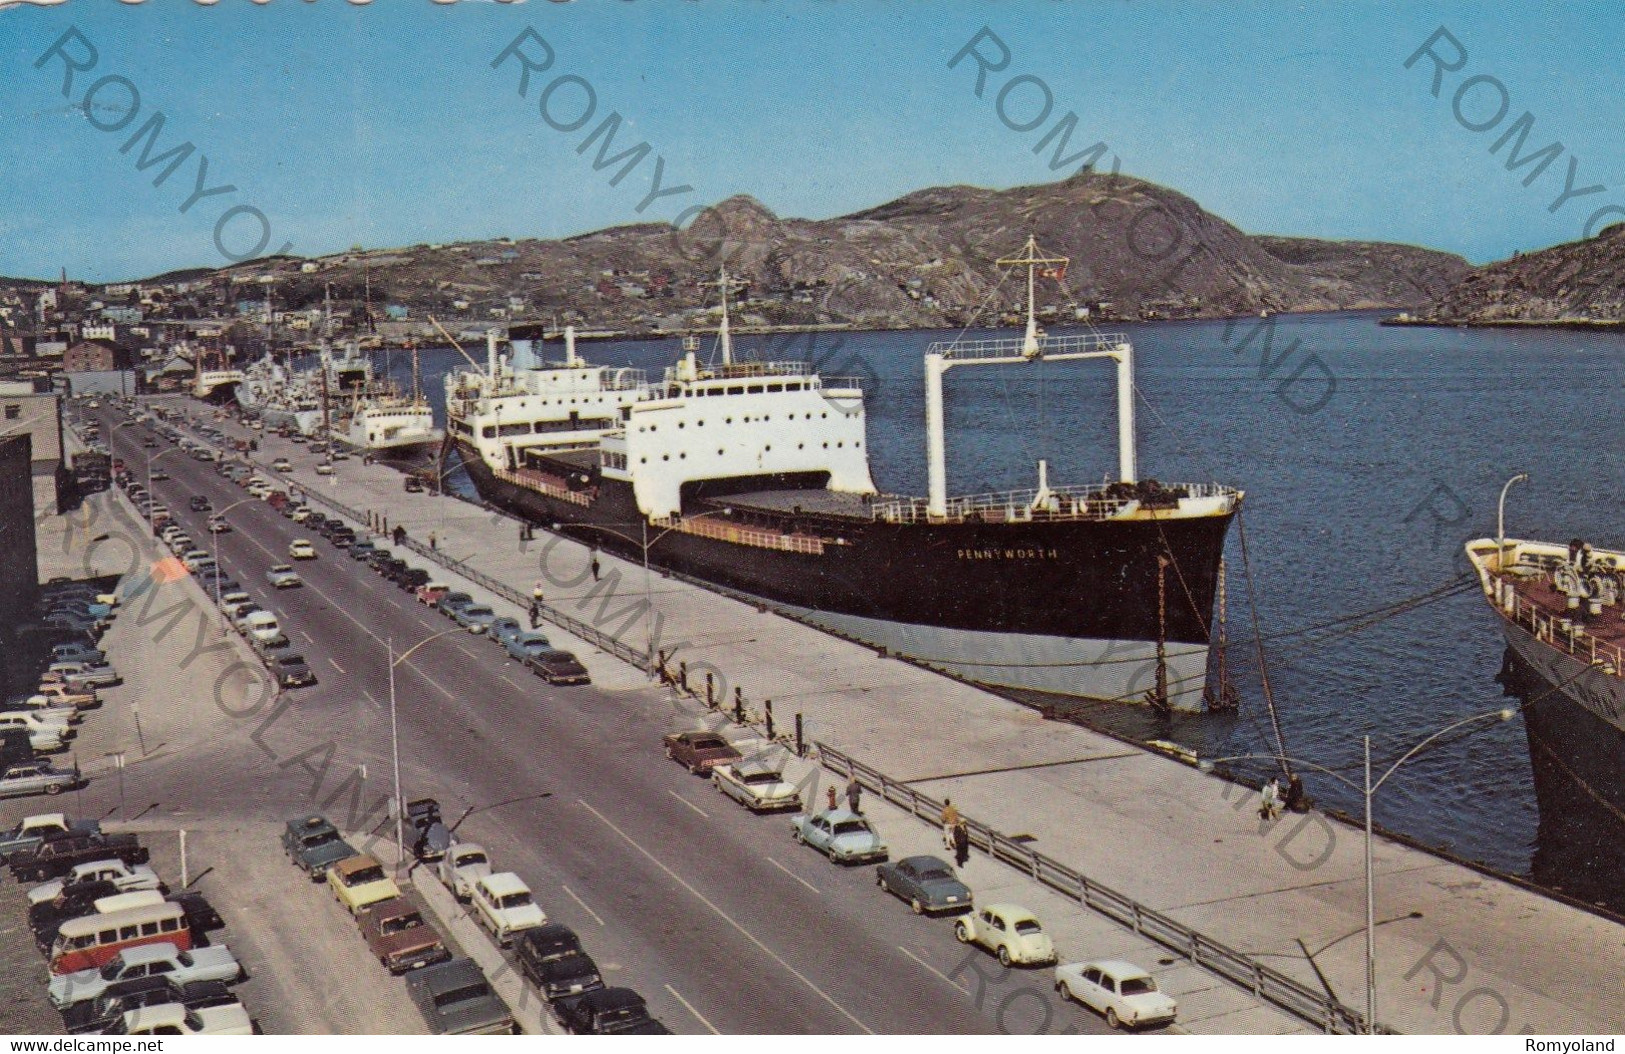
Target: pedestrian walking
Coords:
[(535, 614), (961, 839), (832, 805), (434, 543), (400, 534), (595, 568), (1269, 800), (950, 818), (854, 795)]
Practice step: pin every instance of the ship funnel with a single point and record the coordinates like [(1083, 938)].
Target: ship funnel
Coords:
[(570, 356)]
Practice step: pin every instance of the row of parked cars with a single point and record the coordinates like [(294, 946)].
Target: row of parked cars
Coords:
[(533, 649), (125, 955), (35, 724), (450, 992), (550, 954), (1126, 994)]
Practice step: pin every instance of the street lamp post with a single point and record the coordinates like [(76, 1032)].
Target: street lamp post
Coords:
[(1501, 518), (395, 739), (1368, 791), (648, 596)]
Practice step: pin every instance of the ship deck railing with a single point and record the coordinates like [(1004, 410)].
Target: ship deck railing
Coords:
[(1562, 628), (548, 484), (1003, 347), (1023, 506), (705, 526)]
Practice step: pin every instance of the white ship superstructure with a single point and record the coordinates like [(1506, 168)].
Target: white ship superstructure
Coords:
[(522, 404)]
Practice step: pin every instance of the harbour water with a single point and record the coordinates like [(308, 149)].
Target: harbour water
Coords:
[(1369, 454)]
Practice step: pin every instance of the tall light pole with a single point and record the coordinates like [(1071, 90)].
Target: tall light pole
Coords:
[(1368, 791), (1501, 520), (395, 738), (648, 596)]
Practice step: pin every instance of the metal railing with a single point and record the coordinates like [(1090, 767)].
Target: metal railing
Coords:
[(1022, 506), (1264, 982), (1565, 631)]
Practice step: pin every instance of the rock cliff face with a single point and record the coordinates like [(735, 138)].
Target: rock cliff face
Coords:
[(1575, 283), (1137, 250)]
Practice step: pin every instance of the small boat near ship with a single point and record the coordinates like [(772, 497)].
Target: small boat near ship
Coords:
[(754, 477)]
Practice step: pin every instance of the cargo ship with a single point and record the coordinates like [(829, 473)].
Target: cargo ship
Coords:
[(753, 477)]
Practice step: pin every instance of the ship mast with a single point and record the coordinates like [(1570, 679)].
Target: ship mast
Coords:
[(1034, 345), (724, 332)]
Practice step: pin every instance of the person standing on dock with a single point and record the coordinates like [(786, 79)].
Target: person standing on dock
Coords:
[(434, 542), (854, 795), (950, 819), (595, 568), (961, 840), (535, 613), (1269, 803)]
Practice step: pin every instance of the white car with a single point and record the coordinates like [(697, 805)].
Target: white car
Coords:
[(176, 1019), (324, 469), (757, 789), (284, 577), (126, 878), (463, 865), (300, 549), (1009, 931), (43, 737), (503, 904), (1126, 994), (282, 464)]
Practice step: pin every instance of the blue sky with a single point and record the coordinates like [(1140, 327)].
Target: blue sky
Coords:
[(386, 125)]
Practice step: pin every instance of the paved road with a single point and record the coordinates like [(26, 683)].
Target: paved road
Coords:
[(713, 914)]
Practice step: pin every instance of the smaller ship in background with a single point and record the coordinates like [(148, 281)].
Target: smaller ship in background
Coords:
[(370, 412), (214, 378)]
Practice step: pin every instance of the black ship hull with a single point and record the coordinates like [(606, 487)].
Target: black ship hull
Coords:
[(1578, 762), (1069, 607)]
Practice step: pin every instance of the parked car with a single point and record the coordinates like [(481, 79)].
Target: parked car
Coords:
[(301, 549), (464, 864), (77, 651), (456, 1000), (926, 883), (552, 958), (32, 831), (475, 618), (410, 578), (503, 904), (840, 834), (413, 485), (1009, 931), (431, 838), (360, 882), (360, 550), (430, 593), (502, 629), (314, 844), (524, 644), (102, 1012), (36, 777), (609, 1011), (299, 513), (700, 751), (292, 671), (44, 737), (283, 576), (757, 789), (397, 934), (556, 666), (214, 963), (282, 464), (176, 1019), (1126, 994), (126, 878), (59, 856), (92, 674), (450, 603)]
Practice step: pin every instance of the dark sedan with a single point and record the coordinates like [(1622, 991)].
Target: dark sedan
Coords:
[(558, 667), (926, 883), (609, 1011)]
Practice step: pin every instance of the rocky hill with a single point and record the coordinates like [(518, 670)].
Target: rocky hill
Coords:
[(1138, 250), (1577, 283)]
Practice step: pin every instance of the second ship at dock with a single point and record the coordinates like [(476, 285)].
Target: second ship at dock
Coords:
[(754, 477)]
